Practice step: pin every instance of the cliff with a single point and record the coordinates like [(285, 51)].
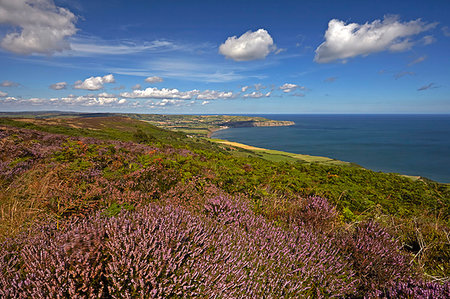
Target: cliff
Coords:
[(252, 123)]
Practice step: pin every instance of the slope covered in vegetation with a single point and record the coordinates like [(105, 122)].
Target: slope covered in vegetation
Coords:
[(116, 207)]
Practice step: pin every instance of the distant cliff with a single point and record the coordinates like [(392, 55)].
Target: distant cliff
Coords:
[(253, 123)]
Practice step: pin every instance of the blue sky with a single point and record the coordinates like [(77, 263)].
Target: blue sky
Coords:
[(225, 56)]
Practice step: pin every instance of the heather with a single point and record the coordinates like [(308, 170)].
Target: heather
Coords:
[(130, 209)]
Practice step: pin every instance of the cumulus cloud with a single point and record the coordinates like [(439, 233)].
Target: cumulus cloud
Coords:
[(3, 94), (8, 83), (418, 60), (137, 86), (44, 26), (71, 100), (167, 93), (343, 41), (249, 46), (428, 86), (108, 79), (205, 102), (402, 74), (214, 95), (102, 99), (59, 85), (257, 95), (94, 83), (288, 87), (154, 79), (245, 88), (165, 103)]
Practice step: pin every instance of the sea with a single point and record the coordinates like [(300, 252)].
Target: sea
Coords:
[(417, 145)]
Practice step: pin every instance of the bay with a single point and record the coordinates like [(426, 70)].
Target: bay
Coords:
[(407, 144)]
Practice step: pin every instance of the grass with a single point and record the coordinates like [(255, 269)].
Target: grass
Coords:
[(280, 156)]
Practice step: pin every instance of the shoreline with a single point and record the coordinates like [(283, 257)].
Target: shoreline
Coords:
[(275, 153), (213, 130), (308, 158)]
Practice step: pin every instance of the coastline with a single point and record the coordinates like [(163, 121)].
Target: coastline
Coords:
[(271, 154), (302, 157), (213, 130), (364, 140)]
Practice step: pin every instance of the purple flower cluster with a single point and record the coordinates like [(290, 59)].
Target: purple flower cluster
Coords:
[(22, 149), (167, 251)]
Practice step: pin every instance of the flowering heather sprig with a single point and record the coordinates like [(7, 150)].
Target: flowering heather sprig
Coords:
[(21, 149), (314, 212), (376, 257), (417, 289), (165, 251)]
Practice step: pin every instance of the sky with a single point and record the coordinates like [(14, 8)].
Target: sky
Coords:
[(225, 57)]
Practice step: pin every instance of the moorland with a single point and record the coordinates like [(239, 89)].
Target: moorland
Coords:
[(114, 206)]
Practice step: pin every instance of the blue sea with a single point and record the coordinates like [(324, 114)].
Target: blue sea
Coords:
[(407, 144)]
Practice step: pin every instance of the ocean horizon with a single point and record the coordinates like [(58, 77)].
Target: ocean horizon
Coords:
[(409, 144)]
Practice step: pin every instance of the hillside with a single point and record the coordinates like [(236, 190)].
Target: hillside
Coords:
[(114, 206), (197, 125)]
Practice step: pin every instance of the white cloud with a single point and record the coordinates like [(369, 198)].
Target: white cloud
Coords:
[(71, 100), (214, 95), (249, 46), (343, 41), (137, 86), (288, 87), (428, 40), (8, 83), (3, 94), (106, 95), (108, 79), (89, 46), (257, 86), (44, 27), (418, 60), (196, 69), (257, 94), (154, 79), (165, 103), (205, 102), (167, 93), (94, 83), (59, 85), (102, 99), (10, 100)]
